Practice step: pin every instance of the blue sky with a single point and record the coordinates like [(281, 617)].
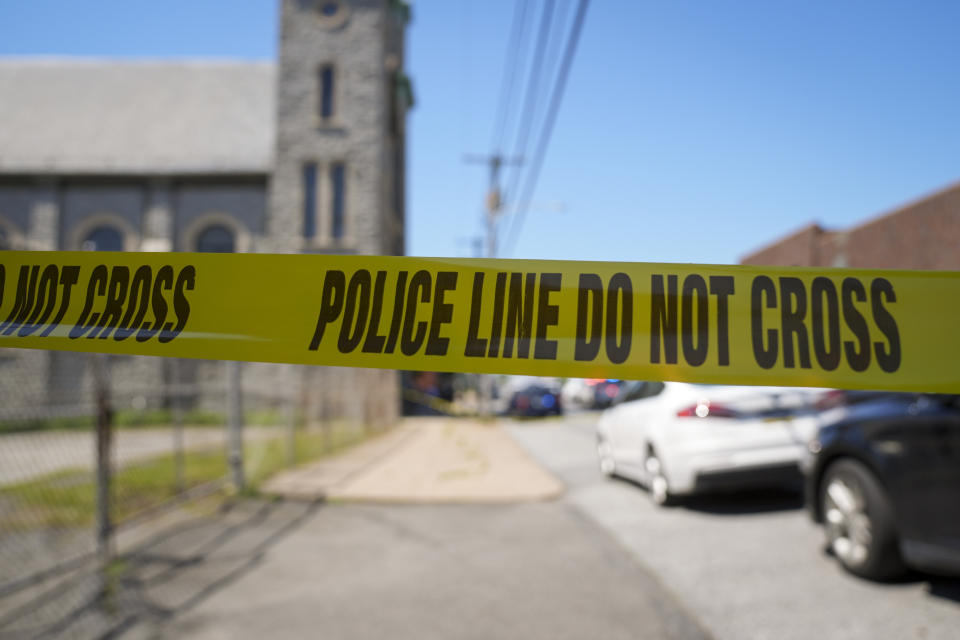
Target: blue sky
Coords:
[(690, 131)]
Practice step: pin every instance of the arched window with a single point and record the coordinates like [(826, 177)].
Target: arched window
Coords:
[(216, 239), (103, 238)]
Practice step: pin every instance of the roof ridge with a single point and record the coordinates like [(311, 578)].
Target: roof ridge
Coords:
[(905, 207), (813, 225)]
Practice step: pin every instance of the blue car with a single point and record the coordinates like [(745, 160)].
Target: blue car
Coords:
[(535, 401)]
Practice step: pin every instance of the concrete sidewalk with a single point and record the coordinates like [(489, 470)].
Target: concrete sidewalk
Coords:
[(425, 460)]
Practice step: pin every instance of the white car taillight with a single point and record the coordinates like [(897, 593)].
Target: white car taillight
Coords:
[(704, 409)]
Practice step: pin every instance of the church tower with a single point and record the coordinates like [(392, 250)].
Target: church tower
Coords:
[(337, 184), (342, 97)]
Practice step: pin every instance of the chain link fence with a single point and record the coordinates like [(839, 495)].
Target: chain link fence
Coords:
[(98, 452)]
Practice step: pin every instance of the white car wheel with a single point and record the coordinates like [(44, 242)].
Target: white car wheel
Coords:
[(605, 456), (658, 486)]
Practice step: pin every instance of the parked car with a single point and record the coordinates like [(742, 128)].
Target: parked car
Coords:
[(883, 477), (604, 391), (535, 400), (678, 439), (577, 392)]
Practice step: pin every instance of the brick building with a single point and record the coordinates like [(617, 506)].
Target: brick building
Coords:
[(924, 234), (304, 155)]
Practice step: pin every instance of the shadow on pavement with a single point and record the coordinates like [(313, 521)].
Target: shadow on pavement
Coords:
[(946, 588), (746, 502), (937, 586), (738, 502), (172, 571)]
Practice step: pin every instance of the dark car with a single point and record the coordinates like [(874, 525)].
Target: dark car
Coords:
[(884, 480), (535, 400), (604, 392)]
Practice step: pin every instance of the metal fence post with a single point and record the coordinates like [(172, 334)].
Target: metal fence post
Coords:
[(101, 386), (235, 424), (291, 416), (178, 460)]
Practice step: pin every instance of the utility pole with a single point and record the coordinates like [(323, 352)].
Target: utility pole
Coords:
[(493, 205)]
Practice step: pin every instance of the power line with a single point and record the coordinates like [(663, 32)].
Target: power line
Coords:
[(548, 73), (512, 61), (554, 49), (552, 110), (532, 93)]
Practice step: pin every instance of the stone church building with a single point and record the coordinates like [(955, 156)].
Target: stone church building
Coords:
[(306, 155)]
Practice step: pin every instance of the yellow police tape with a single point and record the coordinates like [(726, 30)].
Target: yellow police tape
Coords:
[(856, 329)]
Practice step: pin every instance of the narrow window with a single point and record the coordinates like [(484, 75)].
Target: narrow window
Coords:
[(326, 92), (398, 172), (393, 89), (337, 199), (309, 200)]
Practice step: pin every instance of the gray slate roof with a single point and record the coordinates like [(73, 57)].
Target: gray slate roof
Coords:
[(117, 117)]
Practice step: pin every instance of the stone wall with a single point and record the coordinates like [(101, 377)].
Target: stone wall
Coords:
[(364, 44), (152, 214), (355, 135), (55, 213)]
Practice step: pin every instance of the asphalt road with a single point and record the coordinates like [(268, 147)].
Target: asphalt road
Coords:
[(537, 571), (746, 566)]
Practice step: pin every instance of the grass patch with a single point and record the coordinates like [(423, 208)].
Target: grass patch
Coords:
[(265, 417), (132, 418), (265, 458), (68, 498), (65, 423), (62, 499), (152, 482), (137, 418)]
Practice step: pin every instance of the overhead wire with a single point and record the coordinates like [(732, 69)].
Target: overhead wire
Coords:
[(552, 110), (548, 72), (555, 45), (512, 62), (532, 93)]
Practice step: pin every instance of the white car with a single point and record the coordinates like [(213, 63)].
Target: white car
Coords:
[(678, 439), (577, 392)]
